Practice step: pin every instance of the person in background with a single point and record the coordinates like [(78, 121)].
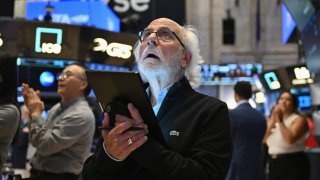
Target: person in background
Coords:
[(62, 141), (20, 147), (9, 109), (265, 154), (195, 126), (247, 127), (311, 141), (285, 136)]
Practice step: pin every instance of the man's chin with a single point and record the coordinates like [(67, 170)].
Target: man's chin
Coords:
[(155, 72), (59, 91), (148, 67)]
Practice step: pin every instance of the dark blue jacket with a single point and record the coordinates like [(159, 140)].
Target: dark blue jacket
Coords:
[(247, 127)]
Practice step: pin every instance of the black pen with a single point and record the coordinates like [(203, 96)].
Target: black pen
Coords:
[(132, 128)]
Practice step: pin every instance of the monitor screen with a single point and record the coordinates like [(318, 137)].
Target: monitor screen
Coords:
[(41, 74), (301, 11), (288, 24), (303, 96), (271, 80), (311, 43), (299, 75), (228, 73), (90, 13)]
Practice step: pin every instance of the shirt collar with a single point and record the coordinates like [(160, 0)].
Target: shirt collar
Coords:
[(242, 102), (160, 97), (65, 104)]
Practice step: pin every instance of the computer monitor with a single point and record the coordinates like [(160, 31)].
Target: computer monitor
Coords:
[(311, 43), (271, 81), (41, 74), (301, 11)]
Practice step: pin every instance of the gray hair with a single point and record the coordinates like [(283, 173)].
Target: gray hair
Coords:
[(191, 42), (189, 37)]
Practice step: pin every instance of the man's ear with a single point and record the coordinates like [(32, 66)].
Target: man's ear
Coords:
[(84, 85), (186, 59), (236, 97)]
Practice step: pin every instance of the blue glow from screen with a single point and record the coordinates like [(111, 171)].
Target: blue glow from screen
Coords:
[(304, 101), (288, 24), (47, 79), (89, 13)]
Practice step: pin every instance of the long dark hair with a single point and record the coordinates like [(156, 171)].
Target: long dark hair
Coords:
[(295, 102)]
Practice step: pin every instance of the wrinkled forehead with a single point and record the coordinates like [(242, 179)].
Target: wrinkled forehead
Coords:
[(74, 69), (164, 22)]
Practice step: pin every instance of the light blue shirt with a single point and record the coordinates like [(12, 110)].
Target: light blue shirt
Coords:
[(162, 94)]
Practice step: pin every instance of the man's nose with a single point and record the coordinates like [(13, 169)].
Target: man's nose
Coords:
[(152, 39), (152, 42)]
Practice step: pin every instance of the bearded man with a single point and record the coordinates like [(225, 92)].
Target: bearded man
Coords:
[(195, 126)]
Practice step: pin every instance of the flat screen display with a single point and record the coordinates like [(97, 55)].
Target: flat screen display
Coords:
[(311, 43), (301, 11), (303, 96), (41, 74), (299, 75), (271, 81), (288, 24), (90, 13)]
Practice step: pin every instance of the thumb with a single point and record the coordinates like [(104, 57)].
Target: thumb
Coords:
[(135, 114), (106, 120), (38, 93)]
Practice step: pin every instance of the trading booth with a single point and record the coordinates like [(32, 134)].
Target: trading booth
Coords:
[(296, 78), (42, 46), (40, 50), (218, 80)]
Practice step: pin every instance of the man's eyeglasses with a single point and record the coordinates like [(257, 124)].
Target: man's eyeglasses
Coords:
[(66, 75), (162, 34)]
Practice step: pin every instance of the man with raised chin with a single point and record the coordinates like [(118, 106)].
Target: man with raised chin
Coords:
[(195, 126)]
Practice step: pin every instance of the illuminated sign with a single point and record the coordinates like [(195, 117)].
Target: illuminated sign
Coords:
[(136, 5), (259, 97), (113, 49), (48, 47), (272, 81), (301, 11), (47, 79), (288, 24), (302, 76), (90, 13), (304, 101)]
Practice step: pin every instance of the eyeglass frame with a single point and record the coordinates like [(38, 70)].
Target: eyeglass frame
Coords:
[(140, 33), (66, 75)]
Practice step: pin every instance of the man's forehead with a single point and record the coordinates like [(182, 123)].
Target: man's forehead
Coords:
[(164, 22), (73, 68)]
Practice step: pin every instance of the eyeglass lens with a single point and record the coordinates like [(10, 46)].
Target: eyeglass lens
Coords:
[(162, 34)]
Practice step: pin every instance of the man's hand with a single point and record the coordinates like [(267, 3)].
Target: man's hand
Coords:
[(119, 142), (32, 101)]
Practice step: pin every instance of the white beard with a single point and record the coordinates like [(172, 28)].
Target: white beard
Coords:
[(162, 69)]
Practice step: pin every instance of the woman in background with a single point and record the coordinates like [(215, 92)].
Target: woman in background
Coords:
[(285, 137)]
